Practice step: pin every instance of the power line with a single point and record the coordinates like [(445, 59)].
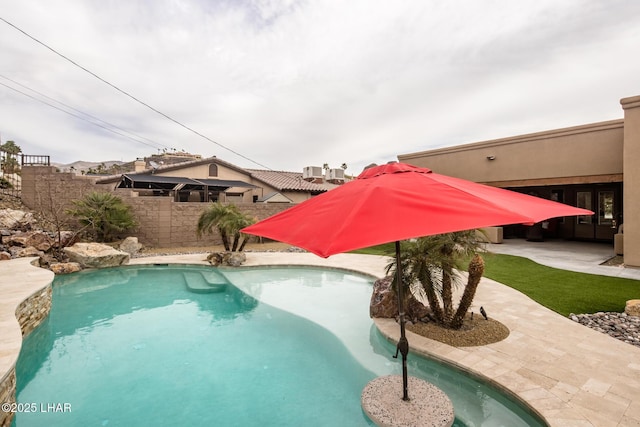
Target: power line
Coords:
[(133, 97), (75, 115), (134, 136)]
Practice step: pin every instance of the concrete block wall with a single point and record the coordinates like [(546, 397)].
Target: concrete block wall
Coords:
[(161, 221), (40, 182)]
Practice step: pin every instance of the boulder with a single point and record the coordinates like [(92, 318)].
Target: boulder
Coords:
[(65, 267), (235, 259), (130, 245), (15, 219), (416, 310), (632, 308), (384, 301), (232, 259), (96, 255), (5, 256), (29, 251), (38, 239)]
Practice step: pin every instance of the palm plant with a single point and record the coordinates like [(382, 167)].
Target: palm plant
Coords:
[(104, 214), (433, 263), (227, 220)]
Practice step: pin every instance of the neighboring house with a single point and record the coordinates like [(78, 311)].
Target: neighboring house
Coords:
[(291, 185), (274, 198), (594, 166), (213, 179)]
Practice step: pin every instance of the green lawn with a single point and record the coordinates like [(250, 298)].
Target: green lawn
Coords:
[(562, 291), (388, 249)]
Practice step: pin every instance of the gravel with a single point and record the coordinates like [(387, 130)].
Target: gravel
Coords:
[(475, 331), (620, 326)]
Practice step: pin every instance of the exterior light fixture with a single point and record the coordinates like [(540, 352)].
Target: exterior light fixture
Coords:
[(491, 157)]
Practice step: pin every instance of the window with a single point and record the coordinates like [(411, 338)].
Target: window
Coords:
[(583, 200), (605, 207), (213, 169)]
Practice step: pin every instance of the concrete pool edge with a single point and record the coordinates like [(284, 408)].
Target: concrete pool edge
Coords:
[(25, 302)]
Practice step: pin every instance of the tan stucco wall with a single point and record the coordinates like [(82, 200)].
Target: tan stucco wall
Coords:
[(588, 153), (631, 185), (201, 171), (294, 196)]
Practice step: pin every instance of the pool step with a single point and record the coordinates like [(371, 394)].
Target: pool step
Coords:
[(205, 282)]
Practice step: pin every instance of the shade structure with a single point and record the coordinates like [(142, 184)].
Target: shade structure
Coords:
[(399, 201)]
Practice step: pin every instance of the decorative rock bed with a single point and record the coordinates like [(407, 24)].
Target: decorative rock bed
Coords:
[(617, 325)]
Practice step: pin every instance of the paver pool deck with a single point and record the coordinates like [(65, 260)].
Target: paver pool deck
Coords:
[(568, 373)]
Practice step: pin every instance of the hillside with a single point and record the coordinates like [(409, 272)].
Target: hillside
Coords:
[(82, 165)]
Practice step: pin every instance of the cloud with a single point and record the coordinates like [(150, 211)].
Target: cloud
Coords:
[(296, 83)]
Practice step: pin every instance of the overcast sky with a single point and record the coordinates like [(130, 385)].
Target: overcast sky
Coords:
[(289, 83)]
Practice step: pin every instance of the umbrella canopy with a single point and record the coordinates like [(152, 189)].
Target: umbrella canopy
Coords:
[(398, 201)]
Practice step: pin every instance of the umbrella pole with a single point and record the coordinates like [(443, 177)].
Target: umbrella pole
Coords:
[(403, 344)]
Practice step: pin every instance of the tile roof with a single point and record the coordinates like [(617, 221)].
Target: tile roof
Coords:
[(290, 181), (280, 180)]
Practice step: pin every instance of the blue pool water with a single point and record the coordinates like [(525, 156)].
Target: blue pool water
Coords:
[(143, 346)]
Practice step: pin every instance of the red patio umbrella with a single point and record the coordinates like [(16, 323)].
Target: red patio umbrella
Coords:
[(398, 201)]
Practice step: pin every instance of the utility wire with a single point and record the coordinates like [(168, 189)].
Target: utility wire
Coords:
[(133, 97), (134, 136), (75, 115)]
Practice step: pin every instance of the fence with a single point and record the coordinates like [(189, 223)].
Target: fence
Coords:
[(162, 222), (11, 171)]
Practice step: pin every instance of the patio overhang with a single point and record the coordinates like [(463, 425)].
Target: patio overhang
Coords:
[(175, 184)]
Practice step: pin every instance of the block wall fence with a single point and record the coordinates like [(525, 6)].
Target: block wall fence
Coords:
[(162, 222)]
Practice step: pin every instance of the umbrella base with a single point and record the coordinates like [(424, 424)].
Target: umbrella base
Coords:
[(428, 405)]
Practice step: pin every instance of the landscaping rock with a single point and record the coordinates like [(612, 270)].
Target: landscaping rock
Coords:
[(96, 255), (5, 256), (26, 252), (65, 267), (384, 303), (621, 326), (232, 259), (15, 219), (38, 239), (130, 245), (632, 308)]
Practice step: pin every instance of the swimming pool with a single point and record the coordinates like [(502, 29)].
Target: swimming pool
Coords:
[(281, 346)]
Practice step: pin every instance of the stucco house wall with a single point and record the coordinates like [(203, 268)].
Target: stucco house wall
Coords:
[(580, 154), (631, 155), (603, 155)]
